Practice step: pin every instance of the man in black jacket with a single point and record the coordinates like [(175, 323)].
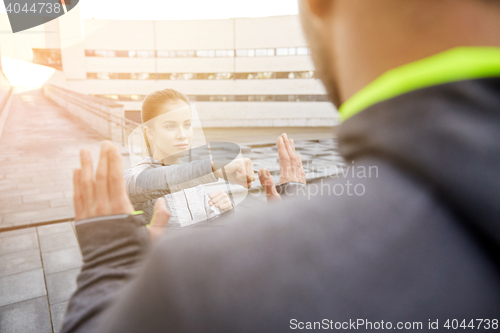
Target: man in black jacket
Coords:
[(411, 245)]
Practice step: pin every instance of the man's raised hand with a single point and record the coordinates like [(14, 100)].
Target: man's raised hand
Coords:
[(105, 194), (291, 168)]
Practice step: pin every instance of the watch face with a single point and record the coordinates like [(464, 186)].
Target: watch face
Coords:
[(26, 14)]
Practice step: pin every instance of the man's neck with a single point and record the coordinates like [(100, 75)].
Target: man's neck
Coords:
[(365, 52)]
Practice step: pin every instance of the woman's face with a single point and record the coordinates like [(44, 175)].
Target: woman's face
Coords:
[(172, 132)]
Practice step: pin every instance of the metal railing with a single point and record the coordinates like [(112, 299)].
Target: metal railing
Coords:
[(104, 116)]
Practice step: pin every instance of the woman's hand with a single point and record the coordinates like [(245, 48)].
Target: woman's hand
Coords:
[(220, 200), (239, 171), (291, 168), (160, 219)]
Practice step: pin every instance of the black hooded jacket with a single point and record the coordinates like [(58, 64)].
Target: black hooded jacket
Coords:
[(413, 244)]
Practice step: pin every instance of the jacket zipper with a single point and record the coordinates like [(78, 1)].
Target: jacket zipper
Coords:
[(187, 204)]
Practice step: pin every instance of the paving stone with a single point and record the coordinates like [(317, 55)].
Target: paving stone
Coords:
[(10, 201), (5, 188), (19, 262), (18, 243), (15, 192), (26, 317), (23, 286), (17, 232), (51, 214), (60, 286), (57, 312), (20, 175), (61, 260), (21, 217), (58, 241), (54, 228), (62, 202), (32, 183), (42, 196)]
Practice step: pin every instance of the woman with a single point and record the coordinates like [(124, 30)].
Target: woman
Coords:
[(167, 117)]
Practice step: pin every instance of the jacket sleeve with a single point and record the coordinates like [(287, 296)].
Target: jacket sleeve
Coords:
[(145, 183), (112, 247)]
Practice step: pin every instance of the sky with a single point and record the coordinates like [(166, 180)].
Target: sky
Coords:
[(183, 9)]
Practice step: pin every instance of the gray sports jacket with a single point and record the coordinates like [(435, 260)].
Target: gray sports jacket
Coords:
[(180, 185)]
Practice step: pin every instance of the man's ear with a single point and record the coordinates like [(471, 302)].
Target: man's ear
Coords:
[(320, 8)]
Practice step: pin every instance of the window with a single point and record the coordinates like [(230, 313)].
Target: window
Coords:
[(145, 54), (139, 76), (202, 98), (265, 75), (282, 75), (105, 75), (305, 75), (229, 98), (203, 76), (282, 51), (301, 51), (305, 98), (181, 54), (223, 76), (261, 52), (124, 76), (281, 98), (122, 54), (100, 53), (202, 53), (162, 54), (242, 53), (220, 53), (163, 76), (181, 76), (48, 57)]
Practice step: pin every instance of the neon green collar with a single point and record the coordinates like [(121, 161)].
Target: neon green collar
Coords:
[(464, 63)]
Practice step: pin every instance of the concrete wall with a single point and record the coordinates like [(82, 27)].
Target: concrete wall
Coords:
[(101, 115)]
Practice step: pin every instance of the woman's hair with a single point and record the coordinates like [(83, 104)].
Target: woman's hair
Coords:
[(153, 102)]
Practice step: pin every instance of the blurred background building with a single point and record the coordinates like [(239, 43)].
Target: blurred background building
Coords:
[(243, 72)]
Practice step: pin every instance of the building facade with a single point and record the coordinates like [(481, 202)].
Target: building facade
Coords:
[(244, 72)]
